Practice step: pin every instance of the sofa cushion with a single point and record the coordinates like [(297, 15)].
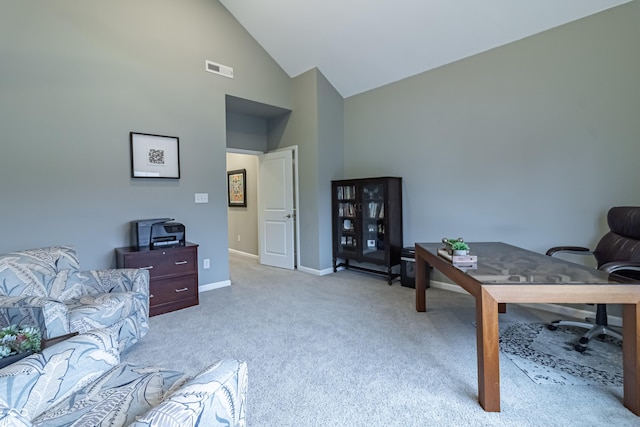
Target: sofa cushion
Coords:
[(20, 276), (117, 398), (107, 280), (35, 271), (36, 382), (218, 395), (99, 311)]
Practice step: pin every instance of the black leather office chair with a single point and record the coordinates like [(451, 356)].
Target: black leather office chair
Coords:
[(617, 252)]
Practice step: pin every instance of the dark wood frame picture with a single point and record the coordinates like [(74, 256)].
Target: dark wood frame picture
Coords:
[(237, 188), (154, 156)]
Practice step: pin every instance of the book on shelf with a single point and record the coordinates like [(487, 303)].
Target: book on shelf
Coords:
[(376, 210), (346, 192), (373, 209), (346, 209)]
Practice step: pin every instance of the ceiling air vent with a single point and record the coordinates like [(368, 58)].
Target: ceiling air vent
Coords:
[(216, 68)]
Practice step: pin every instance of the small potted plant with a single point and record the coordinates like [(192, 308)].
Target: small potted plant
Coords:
[(17, 342), (460, 244), (460, 248)]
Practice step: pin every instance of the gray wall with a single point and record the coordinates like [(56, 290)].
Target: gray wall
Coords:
[(243, 221), (330, 160), (303, 132), (529, 143), (246, 132), (318, 131), (77, 77)]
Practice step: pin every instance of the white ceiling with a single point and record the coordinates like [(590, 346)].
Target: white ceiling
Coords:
[(362, 44)]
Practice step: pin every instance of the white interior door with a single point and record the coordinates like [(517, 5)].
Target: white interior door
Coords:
[(276, 217)]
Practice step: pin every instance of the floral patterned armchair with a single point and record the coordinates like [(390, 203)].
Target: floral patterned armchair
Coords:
[(46, 288), (81, 382)]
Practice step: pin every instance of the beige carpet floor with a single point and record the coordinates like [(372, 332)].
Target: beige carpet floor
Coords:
[(346, 349)]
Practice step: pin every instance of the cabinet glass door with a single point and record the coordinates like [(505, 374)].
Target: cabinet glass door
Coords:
[(373, 221), (347, 219)]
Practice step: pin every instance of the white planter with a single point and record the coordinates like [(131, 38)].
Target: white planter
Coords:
[(461, 253)]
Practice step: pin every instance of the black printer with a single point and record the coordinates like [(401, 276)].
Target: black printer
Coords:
[(157, 233)]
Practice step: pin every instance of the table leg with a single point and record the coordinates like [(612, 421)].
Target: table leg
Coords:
[(631, 356), (423, 276), (488, 352)]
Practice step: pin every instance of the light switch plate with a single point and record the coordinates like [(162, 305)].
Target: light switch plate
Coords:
[(202, 197)]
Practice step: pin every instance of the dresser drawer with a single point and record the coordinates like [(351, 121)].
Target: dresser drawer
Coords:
[(163, 262), (172, 294), (169, 290)]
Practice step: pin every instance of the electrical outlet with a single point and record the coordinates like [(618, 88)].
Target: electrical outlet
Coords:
[(238, 237), (206, 263)]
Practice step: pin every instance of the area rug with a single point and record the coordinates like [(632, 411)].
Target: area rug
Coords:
[(548, 357)]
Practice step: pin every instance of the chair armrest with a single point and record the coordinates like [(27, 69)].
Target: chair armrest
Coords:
[(618, 266), (569, 249), (110, 280), (49, 315), (215, 397)]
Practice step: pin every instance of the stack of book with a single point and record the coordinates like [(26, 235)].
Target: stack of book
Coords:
[(460, 261)]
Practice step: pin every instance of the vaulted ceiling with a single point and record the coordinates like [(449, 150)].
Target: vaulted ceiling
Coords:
[(363, 44)]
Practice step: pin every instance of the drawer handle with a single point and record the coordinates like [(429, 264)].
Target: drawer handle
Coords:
[(150, 295), (180, 262), (182, 290), (146, 268)]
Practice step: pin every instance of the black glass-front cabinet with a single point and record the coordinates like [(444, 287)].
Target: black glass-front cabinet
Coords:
[(367, 224)]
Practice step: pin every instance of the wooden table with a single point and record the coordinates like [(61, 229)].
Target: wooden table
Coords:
[(508, 274)]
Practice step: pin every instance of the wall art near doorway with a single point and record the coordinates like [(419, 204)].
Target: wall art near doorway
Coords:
[(237, 187), (154, 156)]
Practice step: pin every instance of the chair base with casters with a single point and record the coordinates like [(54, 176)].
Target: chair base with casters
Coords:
[(597, 329)]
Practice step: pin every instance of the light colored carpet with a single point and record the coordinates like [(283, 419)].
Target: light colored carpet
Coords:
[(346, 349)]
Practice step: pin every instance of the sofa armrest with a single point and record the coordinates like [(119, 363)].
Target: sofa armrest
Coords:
[(49, 315), (215, 397), (110, 280), (37, 382)]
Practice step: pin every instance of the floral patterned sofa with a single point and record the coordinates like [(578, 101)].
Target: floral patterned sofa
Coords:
[(46, 288), (81, 382)]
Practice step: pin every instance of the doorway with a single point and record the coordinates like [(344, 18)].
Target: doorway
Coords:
[(242, 221), (266, 229), (254, 131)]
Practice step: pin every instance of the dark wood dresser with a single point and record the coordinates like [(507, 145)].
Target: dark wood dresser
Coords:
[(173, 275)]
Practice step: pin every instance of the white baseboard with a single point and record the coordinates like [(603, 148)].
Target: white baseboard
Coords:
[(215, 285), (561, 310), (316, 272), (304, 269), (244, 254)]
